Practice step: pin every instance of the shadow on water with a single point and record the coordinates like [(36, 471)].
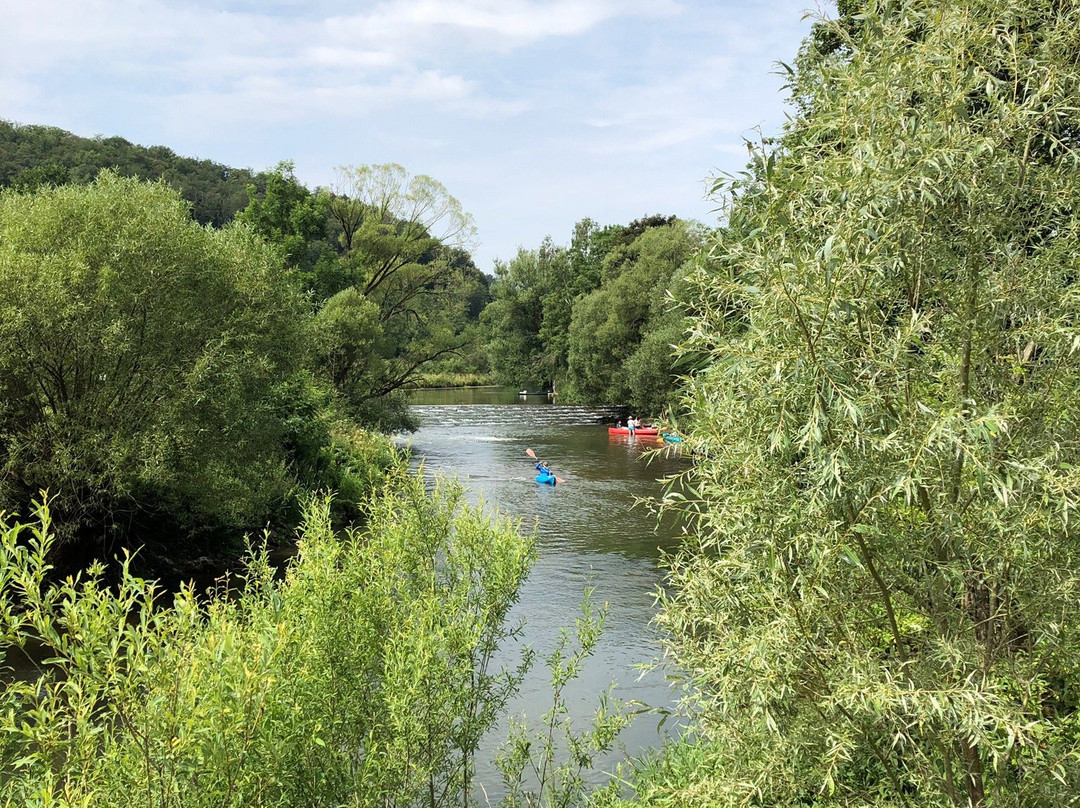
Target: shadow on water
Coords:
[(588, 530)]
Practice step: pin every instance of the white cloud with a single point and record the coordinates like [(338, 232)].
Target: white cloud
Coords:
[(346, 58), (518, 20)]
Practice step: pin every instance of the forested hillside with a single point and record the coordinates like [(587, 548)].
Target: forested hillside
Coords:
[(31, 156)]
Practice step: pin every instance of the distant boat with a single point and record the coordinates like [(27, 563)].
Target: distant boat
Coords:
[(523, 392)]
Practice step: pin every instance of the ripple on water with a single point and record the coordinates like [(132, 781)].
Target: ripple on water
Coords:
[(588, 532)]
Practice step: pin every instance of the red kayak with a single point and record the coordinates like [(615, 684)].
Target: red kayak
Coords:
[(641, 430)]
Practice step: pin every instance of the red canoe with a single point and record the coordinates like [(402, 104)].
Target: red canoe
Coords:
[(641, 430)]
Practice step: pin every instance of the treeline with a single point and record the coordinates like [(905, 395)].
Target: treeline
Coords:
[(418, 253), (596, 320), (33, 156)]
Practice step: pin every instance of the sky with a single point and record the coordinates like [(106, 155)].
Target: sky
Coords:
[(533, 113)]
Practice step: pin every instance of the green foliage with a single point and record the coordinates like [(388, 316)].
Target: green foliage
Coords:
[(622, 335), (346, 334), (34, 156), (649, 378), (518, 325), (578, 318), (158, 376), (669, 776), (40, 175), (289, 215), (409, 288), (545, 767), (365, 677), (139, 358), (880, 603), (589, 246), (446, 380), (325, 451), (358, 462)]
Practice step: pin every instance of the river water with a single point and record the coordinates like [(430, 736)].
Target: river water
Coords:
[(588, 531)]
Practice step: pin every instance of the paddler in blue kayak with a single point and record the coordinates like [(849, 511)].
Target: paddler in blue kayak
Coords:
[(544, 473)]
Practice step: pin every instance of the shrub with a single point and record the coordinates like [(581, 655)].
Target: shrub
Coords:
[(364, 677)]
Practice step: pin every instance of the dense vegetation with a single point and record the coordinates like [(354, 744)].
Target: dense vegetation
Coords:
[(175, 385), (401, 243), (364, 678), (155, 378), (880, 602), (597, 320)]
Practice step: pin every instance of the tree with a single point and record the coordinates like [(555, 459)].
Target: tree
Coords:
[(392, 225), (880, 603), (139, 358), (515, 320), (37, 176), (589, 246), (289, 215), (403, 239), (570, 318), (607, 362), (472, 294)]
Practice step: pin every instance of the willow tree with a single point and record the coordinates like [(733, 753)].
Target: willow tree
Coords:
[(140, 358), (404, 240), (881, 604)]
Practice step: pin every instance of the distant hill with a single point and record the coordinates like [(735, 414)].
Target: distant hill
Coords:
[(31, 156)]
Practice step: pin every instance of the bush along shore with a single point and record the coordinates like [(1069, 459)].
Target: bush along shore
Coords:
[(364, 676)]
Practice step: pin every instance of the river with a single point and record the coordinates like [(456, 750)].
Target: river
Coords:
[(588, 531)]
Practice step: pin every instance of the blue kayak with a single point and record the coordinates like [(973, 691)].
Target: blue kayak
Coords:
[(546, 479)]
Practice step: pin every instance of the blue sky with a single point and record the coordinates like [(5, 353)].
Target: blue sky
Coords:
[(533, 113)]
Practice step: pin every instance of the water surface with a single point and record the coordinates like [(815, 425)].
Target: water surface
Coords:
[(588, 529)]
